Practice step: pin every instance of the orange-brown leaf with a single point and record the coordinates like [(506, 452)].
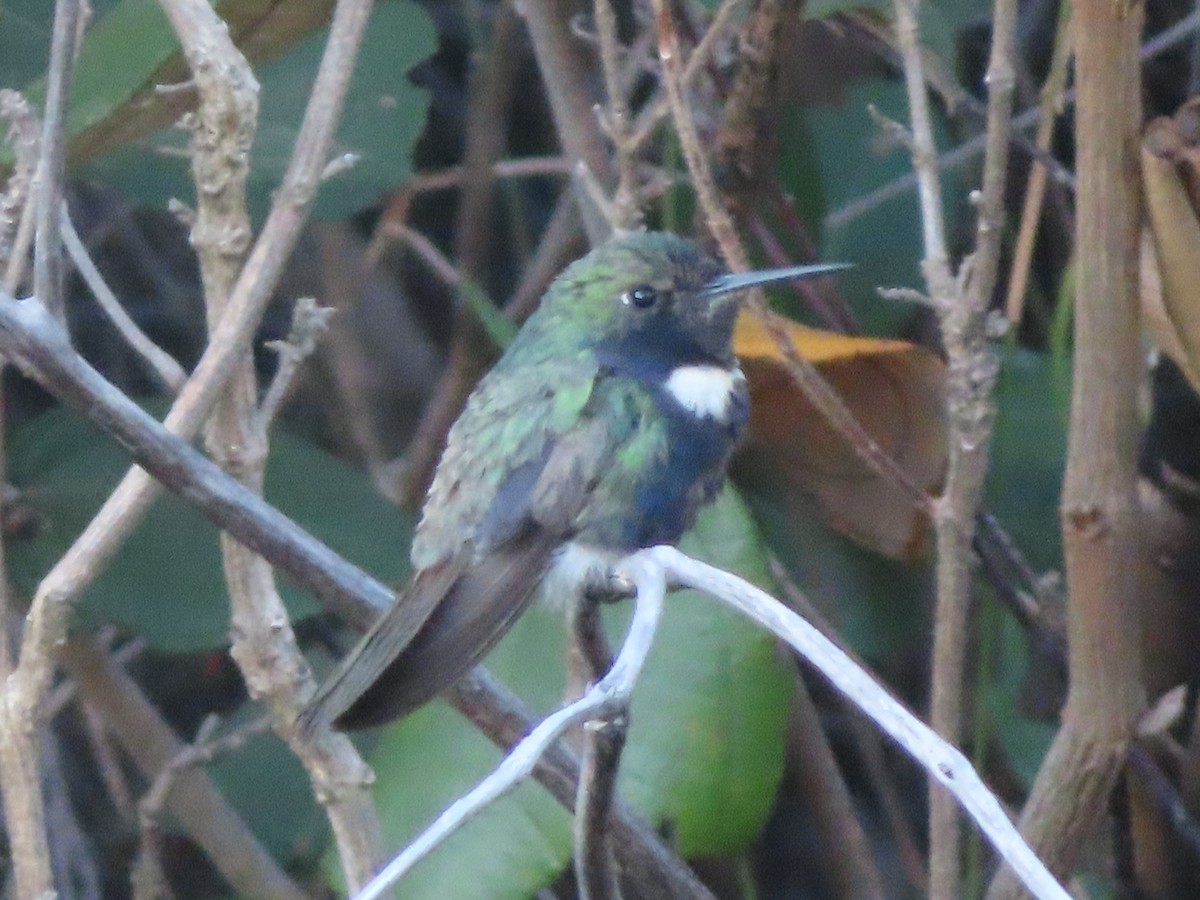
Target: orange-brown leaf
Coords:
[(895, 390)]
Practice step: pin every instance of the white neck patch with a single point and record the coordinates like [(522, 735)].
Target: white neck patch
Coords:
[(705, 391)]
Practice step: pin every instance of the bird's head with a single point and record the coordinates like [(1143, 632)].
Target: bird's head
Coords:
[(653, 296)]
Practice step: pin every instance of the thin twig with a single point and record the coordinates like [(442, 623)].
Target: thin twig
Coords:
[(642, 854), (195, 802), (626, 208), (954, 97), (162, 364), (938, 757), (654, 113), (463, 368), (566, 74), (52, 155), (520, 167), (609, 697), (1050, 106), (603, 743), (1170, 803), (24, 806), (21, 705), (718, 219), (112, 771), (924, 151), (822, 789), (972, 369), (23, 134), (309, 323), (595, 872), (264, 646), (147, 876), (968, 150), (865, 738)]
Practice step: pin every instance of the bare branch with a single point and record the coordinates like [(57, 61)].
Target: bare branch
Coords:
[(22, 703), (968, 150), (309, 323), (105, 686), (972, 369), (149, 880), (603, 743), (24, 807), (263, 643), (609, 697), (641, 852), (162, 364), (1106, 565), (15, 208), (627, 210), (1050, 106), (52, 155), (938, 757), (565, 71)]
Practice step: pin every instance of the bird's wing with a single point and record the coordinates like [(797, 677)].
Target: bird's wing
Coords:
[(456, 610)]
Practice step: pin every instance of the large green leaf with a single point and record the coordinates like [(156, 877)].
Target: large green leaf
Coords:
[(708, 718), (704, 752), (268, 786), (1023, 491), (166, 583), (127, 52), (1029, 452), (384, 114)]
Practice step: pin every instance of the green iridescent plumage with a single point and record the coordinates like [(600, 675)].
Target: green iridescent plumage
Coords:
[(604, 427)]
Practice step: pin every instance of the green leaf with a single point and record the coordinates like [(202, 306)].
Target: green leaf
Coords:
[(1024, 740), (707, 721), (127, 52), (514, 847), (884, 243), (704, 752), (383, 117), (820, 9), (1029, 450), (166, 583), (269, 788)]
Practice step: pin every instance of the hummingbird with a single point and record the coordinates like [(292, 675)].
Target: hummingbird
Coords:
[(605, 426)]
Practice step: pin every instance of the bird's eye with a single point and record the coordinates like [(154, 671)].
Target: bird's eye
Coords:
[(643, 296)]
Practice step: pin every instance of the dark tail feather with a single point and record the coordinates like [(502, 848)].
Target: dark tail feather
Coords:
[(398, 667)]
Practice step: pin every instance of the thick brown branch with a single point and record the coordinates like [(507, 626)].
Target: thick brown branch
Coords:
[(1100, 529)]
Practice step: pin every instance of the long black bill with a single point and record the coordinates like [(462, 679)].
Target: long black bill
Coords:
[(726, 284)]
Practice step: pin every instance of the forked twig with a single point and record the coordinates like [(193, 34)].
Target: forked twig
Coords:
[(652, 570), (610, 696), (21, 704), (161, 363)]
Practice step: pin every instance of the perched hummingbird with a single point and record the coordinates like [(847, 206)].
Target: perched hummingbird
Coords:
[(604, 427)]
